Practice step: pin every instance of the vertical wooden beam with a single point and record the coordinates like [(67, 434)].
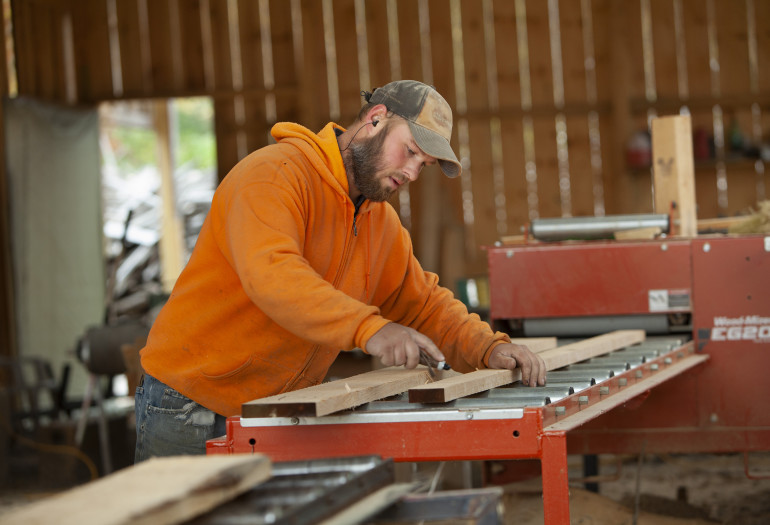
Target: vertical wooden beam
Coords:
[(674, 171), (172, 230)]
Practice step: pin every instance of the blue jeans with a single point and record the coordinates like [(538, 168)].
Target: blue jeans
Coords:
[(170, 424)]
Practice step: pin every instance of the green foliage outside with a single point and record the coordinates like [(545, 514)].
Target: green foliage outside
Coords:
[(195, 148)]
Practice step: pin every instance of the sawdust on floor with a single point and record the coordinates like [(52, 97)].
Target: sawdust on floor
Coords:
[(693, 489)]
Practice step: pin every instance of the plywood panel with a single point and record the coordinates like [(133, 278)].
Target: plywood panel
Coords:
[(92, 50)]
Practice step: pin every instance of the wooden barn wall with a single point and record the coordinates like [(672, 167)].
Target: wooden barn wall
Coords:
[(546, 93)]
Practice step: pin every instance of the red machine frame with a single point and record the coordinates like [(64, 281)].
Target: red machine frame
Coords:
[(699, 398), (722, 283)]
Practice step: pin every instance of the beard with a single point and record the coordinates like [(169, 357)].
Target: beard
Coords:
[(365, 162)]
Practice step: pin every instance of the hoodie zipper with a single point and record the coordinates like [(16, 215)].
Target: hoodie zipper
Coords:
[(340, 273)]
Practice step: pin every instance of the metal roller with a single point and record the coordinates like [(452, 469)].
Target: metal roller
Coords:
[(567, 376), (562, 229), (592, 368), (592, 325)]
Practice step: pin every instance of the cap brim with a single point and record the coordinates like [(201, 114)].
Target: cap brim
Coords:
[(438, 147)]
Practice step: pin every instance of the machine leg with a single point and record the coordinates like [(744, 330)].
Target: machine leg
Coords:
[(555, 481)]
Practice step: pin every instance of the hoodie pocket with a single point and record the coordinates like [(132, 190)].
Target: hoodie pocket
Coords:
[(230, 373)]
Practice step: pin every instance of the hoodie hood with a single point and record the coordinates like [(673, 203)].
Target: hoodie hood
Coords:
[(327, 159)]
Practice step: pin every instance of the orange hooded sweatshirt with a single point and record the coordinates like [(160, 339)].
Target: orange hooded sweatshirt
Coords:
[(284, 276)]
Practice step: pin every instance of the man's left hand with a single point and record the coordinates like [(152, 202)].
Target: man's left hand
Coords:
[(510, 356)]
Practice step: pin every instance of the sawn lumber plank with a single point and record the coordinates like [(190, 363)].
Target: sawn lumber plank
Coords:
[(328, 398), (474, 382)]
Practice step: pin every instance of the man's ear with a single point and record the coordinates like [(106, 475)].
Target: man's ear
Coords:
[(376, 114)]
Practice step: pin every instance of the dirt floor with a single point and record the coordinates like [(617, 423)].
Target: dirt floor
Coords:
[(673, 490)]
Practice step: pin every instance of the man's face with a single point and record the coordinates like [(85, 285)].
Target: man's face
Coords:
[(387, 161)]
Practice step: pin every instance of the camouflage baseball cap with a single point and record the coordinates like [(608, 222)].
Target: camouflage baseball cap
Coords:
[(429, 117)]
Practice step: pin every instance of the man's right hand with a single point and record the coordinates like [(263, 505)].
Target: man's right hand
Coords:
[(398, 345)]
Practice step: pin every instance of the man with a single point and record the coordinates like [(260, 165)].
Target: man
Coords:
[(300, 257)]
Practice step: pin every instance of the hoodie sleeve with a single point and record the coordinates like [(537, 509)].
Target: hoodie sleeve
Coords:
[(261, 230), (421, 303)]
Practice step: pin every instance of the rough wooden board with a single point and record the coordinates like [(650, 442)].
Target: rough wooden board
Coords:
[(588, 348), (480, 380), (462, 385), (156, 492), (536, 344), (327, 398)]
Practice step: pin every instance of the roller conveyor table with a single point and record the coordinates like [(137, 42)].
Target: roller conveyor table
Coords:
[(511, 422)]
